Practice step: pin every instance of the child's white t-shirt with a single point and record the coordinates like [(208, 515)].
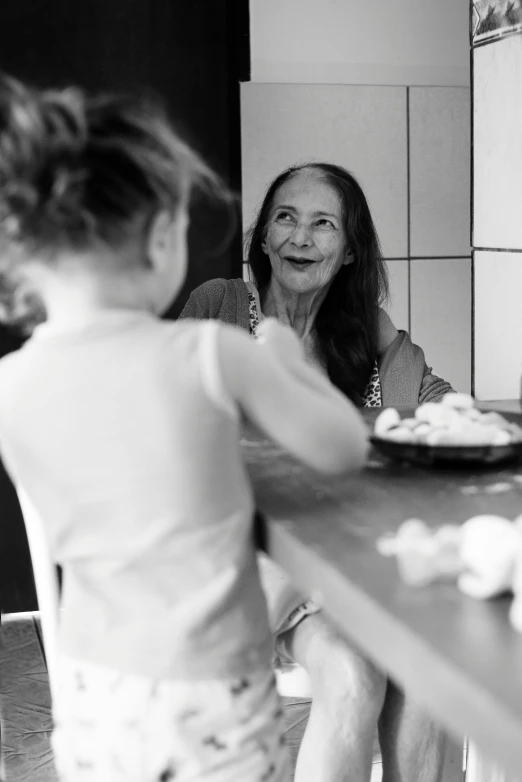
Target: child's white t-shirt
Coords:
[(124, 438)]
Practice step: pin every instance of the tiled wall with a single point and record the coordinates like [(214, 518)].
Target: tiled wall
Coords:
[(410, 149), (497, 198)]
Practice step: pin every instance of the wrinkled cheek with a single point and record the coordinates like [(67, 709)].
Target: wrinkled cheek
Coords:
[(326, 274), (277, 266)]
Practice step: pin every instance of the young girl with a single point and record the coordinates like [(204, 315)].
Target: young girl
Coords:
[(123, 430)]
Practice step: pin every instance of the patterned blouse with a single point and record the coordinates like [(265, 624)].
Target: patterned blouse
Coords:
[(372, 396)]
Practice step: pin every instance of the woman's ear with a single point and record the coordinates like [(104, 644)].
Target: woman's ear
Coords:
[(349, 257)]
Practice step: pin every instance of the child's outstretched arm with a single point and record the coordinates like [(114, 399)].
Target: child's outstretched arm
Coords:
[(291, 401)]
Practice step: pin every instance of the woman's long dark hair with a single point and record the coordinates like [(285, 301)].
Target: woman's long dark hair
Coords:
[(347, 321)]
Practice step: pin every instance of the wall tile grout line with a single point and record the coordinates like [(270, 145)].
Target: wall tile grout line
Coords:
[(497, 249), (472, 324), (472, 150), (440, 257), (471, 200), (408, 204)]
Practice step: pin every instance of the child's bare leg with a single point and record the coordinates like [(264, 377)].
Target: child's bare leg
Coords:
[(348, 695), (412, 744)]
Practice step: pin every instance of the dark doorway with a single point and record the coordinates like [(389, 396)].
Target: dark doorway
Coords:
[(193, 55)]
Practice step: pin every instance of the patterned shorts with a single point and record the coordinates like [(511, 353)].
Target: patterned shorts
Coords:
[(113, 727)]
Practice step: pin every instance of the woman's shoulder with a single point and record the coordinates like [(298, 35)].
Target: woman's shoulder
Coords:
[(218, 288), (387, 332), (219, 299)]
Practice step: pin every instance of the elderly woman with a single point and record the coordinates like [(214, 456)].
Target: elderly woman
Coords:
[(316, 264)]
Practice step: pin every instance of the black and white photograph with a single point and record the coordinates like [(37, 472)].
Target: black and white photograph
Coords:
[(494, 18), (260, 391)]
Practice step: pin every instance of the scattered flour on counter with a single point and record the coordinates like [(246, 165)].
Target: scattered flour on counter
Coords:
[(497, 488), (493, 488)]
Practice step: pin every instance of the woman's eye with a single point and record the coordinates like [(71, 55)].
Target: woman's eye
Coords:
[(324, 223), (284, 217)]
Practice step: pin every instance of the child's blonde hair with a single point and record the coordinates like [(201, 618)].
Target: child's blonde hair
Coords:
[(76, 168)]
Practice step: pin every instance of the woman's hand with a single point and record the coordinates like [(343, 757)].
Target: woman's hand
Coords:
[(281, 340)]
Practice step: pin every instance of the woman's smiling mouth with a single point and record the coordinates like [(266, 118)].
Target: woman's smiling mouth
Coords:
[(299, 262)]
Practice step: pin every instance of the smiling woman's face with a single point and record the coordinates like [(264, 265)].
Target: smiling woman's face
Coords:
[(305, 239)]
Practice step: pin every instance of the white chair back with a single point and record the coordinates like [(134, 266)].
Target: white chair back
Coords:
[(46, 581)]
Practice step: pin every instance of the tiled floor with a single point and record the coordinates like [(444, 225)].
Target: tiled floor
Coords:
[(26, 716)]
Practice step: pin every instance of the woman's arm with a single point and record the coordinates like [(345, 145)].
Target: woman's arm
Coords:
[(432, 387), (292, 402), (405, 378)]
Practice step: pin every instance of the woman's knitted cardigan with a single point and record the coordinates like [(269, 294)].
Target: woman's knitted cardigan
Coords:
[(405, 377)]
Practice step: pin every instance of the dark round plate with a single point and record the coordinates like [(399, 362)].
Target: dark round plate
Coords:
[(457, 455)]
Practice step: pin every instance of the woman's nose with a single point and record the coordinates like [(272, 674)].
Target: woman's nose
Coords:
[(301, 236)]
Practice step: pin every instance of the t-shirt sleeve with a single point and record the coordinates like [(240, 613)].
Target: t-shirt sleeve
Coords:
[(210, 369)]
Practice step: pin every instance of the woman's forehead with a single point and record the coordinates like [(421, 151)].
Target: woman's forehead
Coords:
[(309, 191)]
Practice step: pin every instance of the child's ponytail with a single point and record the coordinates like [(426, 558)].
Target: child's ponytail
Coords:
[(75, 169)]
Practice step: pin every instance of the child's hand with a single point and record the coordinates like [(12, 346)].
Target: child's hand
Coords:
[(281, 340)]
